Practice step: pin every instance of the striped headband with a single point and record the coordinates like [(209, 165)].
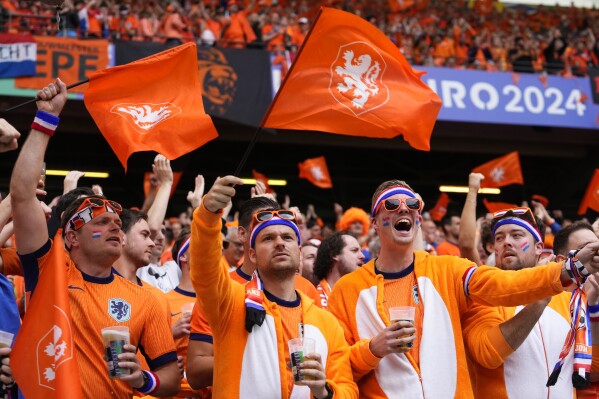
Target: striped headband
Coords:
[(388, 193), (519, 222), (272, 222), (182, 250)]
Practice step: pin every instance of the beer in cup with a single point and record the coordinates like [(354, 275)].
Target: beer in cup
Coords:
[(298, 349), (115, 338), (403, 313)]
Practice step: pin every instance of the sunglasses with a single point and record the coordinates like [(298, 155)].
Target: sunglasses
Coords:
[(265, 216), (514, 211), (100, 202), (90, 208), (395, 203)]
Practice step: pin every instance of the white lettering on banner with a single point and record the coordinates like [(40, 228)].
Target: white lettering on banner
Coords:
[(529, 99), (18, 52)]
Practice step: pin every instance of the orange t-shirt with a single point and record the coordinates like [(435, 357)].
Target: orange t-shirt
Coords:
[(98, 302), (447, 248)]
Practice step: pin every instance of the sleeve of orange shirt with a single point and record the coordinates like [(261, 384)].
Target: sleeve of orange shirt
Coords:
[(11, 262), (157, 343), (482, 336), (209, 275), (491, 286), (200, 329)]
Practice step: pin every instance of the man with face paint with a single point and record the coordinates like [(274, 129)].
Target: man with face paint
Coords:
[(444, 291), (528, 338), (98, 298)]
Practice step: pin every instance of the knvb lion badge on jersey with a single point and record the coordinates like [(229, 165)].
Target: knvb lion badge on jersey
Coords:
[(349, 78)]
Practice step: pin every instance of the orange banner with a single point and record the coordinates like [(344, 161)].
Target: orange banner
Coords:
[(70, 60)]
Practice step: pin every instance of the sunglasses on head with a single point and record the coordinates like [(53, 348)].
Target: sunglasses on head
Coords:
[(394, 204), (265, 216), (100, 202), (513, 211)]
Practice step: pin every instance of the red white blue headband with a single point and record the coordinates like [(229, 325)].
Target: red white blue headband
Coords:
[(182, 250), (272, 222), (391, 191), (519, 222)]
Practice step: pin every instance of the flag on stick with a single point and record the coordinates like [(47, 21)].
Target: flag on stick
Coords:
[(440, 208), (151, 104), (501, 171), (315, 170), (349, 78)]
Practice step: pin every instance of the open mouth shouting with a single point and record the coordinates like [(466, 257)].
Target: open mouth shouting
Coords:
[(403, 225)]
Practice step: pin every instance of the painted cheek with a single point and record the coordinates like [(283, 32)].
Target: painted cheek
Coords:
[(96, 234), (386, 220), (525, 246)]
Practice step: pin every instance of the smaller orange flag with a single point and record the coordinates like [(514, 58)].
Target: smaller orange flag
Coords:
[(260, 177), (440, 208), (497, 206), (501, 171), (43, 358), (148, 176), (153, 104), (315, 170), (591, 197)]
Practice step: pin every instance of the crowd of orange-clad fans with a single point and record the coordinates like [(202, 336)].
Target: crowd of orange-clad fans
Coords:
[(474, 34)]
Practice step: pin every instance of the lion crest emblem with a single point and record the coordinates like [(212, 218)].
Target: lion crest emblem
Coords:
[(119, 309), (357, 78), (218, 80), (144, 117)]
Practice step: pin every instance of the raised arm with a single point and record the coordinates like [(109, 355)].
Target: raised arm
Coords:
[(467, 238), (31, 231), (164, 174)]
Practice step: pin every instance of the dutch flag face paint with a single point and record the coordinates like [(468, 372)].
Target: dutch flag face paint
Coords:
[(96, 234), (525, 246)]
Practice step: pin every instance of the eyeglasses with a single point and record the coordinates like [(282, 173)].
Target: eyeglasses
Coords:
[(264, 216), (395, 203)]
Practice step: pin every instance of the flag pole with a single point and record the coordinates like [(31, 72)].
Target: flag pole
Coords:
[(37, 98), (248, 150)]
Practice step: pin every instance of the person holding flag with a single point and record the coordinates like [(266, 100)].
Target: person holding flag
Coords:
[(97, 298), (443, 290)]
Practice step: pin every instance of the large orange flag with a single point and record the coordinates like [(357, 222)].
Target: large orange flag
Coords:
[(349, 78), (591, 197), (43, 358), (440, 208), (151, 104), (501, 171), (315, 170)]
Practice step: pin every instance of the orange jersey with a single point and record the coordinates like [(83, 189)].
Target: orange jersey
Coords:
[(11, 262), (98, 302), (324, 290)]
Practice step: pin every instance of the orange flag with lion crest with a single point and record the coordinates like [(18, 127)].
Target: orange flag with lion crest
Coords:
[(151, 104), (349, 78)]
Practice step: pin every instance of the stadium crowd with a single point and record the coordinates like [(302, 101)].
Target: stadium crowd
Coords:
[(480, 34), (210, 298)]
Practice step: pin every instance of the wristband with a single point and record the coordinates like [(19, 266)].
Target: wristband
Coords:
[(45, 122), (151, 383), (593, 311)]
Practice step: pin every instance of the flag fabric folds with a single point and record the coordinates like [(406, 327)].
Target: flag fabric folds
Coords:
[(349, 78), (19, 53), (501, 171), (440, 208), (591, 196), (151, 104), (43, 358), (315, 170)]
